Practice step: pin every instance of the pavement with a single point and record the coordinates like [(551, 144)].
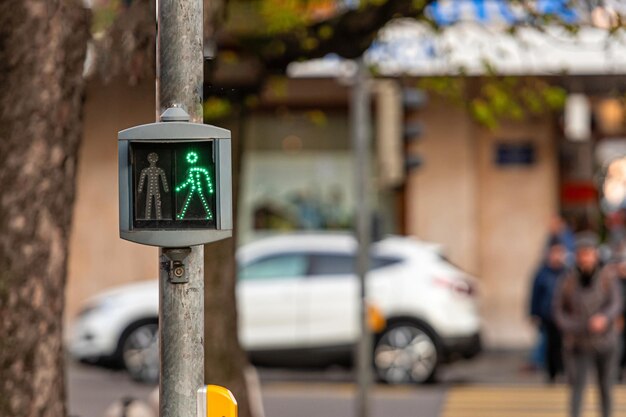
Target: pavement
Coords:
[(91, 390), (493, 384)]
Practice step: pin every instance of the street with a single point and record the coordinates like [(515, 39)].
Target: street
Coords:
[(490, 385), (285, 393), (476, 389)]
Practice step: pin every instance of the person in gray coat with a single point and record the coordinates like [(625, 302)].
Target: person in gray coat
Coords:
[(587, 306)]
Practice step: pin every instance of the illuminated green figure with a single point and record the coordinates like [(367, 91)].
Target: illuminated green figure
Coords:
[(194, 181)]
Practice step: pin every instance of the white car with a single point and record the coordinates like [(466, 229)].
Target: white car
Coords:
[(297, 299)]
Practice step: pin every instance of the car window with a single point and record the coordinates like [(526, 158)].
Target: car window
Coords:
[(344, 264), (275, 266), (384, 261), (332, 264)]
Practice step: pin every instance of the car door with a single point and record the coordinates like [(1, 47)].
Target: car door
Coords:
[(333, 294), (269, 313)]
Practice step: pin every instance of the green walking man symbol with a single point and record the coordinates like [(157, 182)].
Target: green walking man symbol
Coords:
[(195, 178)]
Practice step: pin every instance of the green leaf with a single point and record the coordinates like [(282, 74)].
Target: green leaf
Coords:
[(482, 113), (317, 117), (310, 43), (216, 108), (325, 32), (278, 86), (555, 97)]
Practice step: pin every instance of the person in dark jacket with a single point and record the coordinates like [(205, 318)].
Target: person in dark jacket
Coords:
[(544, 287), (559, 229), (587, 305), (621, 274)]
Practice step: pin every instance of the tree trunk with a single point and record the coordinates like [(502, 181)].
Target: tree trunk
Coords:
[(225, 360), (42, 51)]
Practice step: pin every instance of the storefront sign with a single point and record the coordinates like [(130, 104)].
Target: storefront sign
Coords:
[(515, 153), (448, 12)]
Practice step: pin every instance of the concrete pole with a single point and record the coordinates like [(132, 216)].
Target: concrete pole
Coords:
[(181, 305), (179, 57), (360, 119)]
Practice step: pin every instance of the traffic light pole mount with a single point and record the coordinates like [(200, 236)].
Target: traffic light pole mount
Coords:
[(181, 305), (175, 192), (177, 270)]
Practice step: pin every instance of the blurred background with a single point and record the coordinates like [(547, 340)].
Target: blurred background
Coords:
[(495, 125)]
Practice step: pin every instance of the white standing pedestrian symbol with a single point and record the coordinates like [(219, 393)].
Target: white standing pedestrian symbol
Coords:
[(153, 190)]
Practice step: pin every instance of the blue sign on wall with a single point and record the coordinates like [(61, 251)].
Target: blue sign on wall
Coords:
[(515, 154)]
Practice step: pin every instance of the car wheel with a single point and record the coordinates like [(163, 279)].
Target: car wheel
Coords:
[(140, 352), (405, 353)]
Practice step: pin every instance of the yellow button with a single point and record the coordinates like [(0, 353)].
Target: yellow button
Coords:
[(220, 402)]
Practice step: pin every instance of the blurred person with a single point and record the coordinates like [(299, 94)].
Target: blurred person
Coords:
[(615, 223), (544, 287), (559, 229), (308, 213), (537, 358), (621, 274), (336, 214), (586, 306)]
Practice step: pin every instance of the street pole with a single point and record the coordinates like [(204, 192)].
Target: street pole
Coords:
[(181, 304), (361, 131)]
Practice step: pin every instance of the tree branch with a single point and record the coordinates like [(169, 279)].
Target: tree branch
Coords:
[(347, 34), (128, 46)]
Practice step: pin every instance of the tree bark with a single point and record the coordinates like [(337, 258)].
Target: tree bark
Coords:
[(42, 52), (349, 34), (225, 360)]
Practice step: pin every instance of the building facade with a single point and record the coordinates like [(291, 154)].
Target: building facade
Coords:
[(490, 213)]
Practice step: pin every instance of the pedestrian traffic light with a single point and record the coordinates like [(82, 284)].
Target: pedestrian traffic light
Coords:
[(413, 100), (397, 126), (175, 182)]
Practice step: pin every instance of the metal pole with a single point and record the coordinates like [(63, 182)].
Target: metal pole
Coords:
[(361, 132), (181, 305)]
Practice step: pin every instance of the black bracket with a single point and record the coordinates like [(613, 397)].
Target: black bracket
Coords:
[(177, 270)]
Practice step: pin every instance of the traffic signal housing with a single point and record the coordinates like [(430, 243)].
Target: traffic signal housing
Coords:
[(397, 128), (413, 100), (175, 182)]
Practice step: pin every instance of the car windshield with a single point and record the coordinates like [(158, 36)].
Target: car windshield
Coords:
[(343, 264), (275, 266), (285, 265)]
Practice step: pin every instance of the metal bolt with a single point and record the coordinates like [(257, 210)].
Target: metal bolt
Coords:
[(179, 271)]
